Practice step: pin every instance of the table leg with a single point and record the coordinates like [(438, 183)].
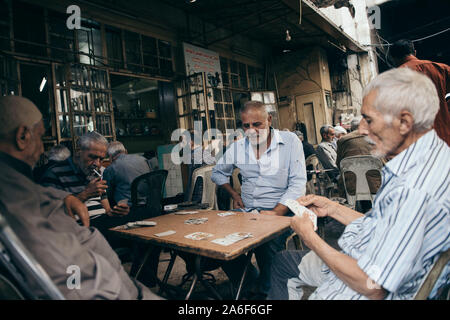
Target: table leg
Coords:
[(173, 256), (247, 263), (205, 283), (147, 254), (194, 281)]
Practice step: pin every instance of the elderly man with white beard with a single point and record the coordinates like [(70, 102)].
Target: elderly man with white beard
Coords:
[(272, 166), (387, 253)]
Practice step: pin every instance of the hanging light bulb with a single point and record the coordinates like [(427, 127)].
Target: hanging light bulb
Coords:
[(288, 36)]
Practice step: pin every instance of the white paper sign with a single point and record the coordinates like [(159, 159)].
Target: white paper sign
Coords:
[(202, 60)]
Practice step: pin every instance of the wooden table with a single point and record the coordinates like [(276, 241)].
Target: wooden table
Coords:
[(263, 227)]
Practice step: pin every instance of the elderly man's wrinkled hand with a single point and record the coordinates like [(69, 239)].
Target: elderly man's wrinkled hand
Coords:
[(96, 188), (74, 207), (321, 206), (303, 226)]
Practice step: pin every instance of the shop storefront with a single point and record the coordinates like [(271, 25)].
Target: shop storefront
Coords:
[(117, 80)]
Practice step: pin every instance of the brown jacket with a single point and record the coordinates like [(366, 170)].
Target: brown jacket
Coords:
[(439, 73), (353, 144)]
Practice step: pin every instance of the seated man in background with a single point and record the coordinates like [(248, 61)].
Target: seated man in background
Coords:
[(339, 132), (120, 174), (77, 176), (326, 151), (40, 216), (308, 149), (57, 153), (272, 166), (387, 253), (355, 144)]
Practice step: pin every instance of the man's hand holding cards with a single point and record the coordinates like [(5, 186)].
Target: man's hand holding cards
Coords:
[(299, 210)]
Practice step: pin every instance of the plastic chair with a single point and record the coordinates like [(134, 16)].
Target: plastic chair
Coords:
[(147, 191), (431, 278), (209, 187), (318, 181), (21, 268), (360, 165)]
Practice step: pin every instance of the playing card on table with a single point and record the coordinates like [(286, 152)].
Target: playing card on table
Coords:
[(239, 235), (226, 214), (185, 212), (196, 221), (136, 224), (232, 238), (166, 233), (223, 241), (199, 236)]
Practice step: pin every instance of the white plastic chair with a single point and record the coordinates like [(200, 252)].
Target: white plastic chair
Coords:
[(360, 165), (209, 187)]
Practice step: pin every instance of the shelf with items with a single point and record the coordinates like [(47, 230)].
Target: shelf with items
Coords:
[(133, 128)]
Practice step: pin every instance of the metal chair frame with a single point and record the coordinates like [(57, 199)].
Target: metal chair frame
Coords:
[(21, 265)]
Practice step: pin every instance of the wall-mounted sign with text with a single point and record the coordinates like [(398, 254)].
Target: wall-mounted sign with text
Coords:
[(202, 60)]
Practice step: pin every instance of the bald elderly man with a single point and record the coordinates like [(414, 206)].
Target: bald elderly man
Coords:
[(42, 216)]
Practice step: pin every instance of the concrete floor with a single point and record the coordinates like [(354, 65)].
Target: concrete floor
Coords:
[(333, 230)]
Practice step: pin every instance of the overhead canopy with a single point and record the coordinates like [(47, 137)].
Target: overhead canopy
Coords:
[(267, 21), (262, 20)]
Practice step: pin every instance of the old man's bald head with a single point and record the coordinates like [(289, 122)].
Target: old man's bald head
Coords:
[(15, 112), (21, 129)]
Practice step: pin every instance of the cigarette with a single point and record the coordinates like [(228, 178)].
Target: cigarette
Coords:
[(97, 173)]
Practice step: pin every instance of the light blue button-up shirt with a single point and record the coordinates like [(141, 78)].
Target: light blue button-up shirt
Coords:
[(399, 240), (278, 175)]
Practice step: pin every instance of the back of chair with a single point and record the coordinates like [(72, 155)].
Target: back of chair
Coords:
[(432, 277), (209, 187), (360, 165), (313, 163), (147, 191), (22, 267)]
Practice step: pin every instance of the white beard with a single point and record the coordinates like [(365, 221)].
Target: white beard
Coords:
[(375, 151)]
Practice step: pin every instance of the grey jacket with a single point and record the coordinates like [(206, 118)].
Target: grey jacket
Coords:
[(326, 152), (36, 214)]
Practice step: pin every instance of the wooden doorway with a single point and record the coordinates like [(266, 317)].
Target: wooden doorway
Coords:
[(309, 111)]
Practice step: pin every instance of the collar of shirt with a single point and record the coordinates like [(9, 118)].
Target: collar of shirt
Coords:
[(276, 140), (409, 58), (17, 164), (412, 155), (269, 162)]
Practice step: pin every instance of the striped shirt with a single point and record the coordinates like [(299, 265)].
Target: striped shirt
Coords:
[(399, 240), (65, 175)]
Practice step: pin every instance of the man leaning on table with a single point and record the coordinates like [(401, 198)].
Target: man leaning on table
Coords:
[(272, 166), (387, 253)]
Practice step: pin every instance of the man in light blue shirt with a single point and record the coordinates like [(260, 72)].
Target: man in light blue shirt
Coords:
[(272, 166), (387, 253)]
